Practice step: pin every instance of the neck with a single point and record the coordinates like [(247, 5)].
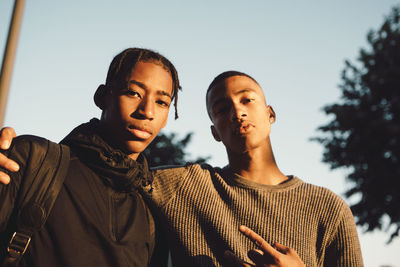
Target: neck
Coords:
[(107, 135), (257, 165), (134, 156)]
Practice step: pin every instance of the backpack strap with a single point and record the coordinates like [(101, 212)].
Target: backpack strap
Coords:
[(35, 206)]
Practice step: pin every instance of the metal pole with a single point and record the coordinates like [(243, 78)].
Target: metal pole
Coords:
[(9, 56)]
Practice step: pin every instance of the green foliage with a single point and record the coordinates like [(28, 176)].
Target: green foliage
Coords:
[(364, 134), (166, 150)]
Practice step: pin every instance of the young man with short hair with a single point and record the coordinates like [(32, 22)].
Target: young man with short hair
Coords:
[(204, 206)]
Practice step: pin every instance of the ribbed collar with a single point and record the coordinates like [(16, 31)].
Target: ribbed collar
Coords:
[(239, 180), (112, 165)]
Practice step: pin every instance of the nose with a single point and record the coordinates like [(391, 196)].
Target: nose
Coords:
[(146, 109), (237, 113)]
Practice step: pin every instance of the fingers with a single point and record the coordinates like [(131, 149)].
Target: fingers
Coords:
[(8, 164), (6, 136), (281, 248), (258, 240), (258, 257), (232, 260), (287, 251), (4, 178), (279, 255)]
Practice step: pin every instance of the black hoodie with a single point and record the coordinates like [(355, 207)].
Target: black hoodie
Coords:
[(99, 218)]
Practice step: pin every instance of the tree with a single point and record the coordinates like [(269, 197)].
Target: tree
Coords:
[(364, 134), (166, 150)]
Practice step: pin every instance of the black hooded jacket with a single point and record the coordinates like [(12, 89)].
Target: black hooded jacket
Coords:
[(99, 218)]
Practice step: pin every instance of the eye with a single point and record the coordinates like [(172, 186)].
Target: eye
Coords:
[(163, 103), (221, 109), (132, 93), (247, 100)]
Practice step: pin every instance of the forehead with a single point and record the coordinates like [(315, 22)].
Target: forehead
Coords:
[(152, 74), (231, 87)]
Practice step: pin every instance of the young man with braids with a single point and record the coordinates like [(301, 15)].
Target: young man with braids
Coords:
[(202, 207), (99, 218)]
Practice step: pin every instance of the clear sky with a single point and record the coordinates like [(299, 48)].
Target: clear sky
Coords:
[(295, 49)]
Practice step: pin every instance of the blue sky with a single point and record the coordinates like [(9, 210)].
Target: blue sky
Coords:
[(295, 49)]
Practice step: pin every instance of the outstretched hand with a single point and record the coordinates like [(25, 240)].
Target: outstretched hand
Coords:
[(6, 136), (268, 256)]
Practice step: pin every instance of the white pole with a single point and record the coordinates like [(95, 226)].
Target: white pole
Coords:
[(9, 56)]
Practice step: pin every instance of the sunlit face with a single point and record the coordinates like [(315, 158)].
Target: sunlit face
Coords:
[(240, 115), (133, 116)]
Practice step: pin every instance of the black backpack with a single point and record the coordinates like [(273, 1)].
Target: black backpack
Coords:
[(45, 176)]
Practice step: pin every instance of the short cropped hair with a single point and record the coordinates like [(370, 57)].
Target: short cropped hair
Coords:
[(122, 65), (221, 77)]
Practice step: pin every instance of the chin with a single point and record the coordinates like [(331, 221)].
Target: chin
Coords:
[(135, 147)]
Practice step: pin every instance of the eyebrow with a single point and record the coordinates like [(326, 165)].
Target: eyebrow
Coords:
[(142, 85), (245, 90), (222, 99)]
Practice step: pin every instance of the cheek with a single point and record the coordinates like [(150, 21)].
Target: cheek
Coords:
[(126, 107), (163, 118), (221, 129)]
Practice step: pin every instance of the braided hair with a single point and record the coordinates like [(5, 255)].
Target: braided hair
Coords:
[(123, 64)]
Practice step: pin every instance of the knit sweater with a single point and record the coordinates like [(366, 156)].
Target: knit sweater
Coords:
[(202, 208)]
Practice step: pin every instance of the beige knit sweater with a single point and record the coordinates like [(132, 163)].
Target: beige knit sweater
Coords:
[(204, 206)]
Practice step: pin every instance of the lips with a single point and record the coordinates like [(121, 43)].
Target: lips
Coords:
[(242, 128), (140, 132)]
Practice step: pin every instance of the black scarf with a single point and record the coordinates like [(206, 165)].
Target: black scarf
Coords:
[(112, 165)]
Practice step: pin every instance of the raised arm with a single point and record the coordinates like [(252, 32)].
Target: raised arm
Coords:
[(6, 136)]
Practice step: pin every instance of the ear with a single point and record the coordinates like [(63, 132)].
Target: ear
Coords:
[(100, 96), (215, 134), (272, 115)]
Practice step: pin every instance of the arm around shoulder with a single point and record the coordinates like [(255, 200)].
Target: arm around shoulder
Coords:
[(167, 181)]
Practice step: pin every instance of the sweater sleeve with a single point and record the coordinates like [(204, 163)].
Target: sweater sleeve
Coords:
[(344, 249), (167, 181)]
